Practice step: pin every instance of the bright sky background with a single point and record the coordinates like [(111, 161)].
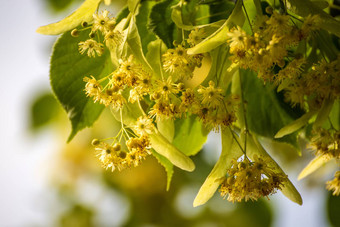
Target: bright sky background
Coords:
[(24, 192)]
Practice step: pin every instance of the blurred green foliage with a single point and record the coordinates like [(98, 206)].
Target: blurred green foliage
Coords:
[(43, 110)]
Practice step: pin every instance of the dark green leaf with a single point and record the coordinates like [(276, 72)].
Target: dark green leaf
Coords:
[(142, 20), (265, 114), (122, 14), (333, 210), (220, 10), (68, 68), (160, 21), (43, 110)]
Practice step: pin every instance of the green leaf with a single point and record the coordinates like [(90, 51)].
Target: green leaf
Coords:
[(333, 209), (154, 57), (169, 168), (160, 21), (306, 7), (133, 6), (68, 68), (295, 125), (163, 147), (142, 19), (315, 164), (134, 42), (265, 113), (323, 113), (230, 150), (166, 127), (43, 110), (334, 116), (82, 14), (220, 10), (190, 135), (122, 14), (325, 44), (176, 17)]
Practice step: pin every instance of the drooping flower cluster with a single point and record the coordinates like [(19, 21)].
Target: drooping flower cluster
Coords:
[(326, 142), (248, 180), (267, 46), (113, 157), (334, 185)]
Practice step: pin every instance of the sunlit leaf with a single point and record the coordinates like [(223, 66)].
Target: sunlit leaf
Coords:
[(82, 14), (295, 125), (229, 151), (315, 164), (166, 127)]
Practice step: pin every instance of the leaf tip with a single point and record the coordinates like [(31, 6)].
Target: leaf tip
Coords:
[(197, 202)]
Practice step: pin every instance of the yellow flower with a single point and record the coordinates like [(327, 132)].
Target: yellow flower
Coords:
[(237, 39), (103, 22), (92, 47), (334, 185), (93, 88), (113, 39), (211, 96), (144, 126), (196, 36), (179, 64), (165, 88), (110, 156)]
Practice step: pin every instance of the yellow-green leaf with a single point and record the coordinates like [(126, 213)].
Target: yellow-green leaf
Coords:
[(295, 125), (165, 148), (230, 150), (315, 164), (82, 14), (166, 127), (323, 113)]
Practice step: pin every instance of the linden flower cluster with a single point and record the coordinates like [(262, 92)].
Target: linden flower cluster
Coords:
[(326, 142), (138, 147), (162, 98), (251, 180), (268, 44), (313, 86), (102, 24), (179, 64)]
